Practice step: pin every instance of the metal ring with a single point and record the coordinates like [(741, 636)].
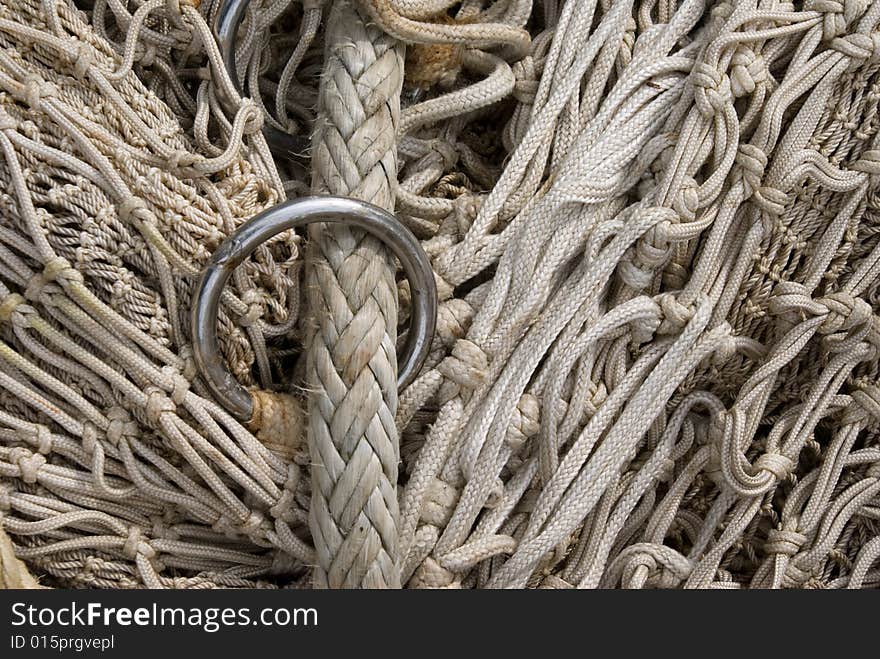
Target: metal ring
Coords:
[(229, 17), (289, 215)]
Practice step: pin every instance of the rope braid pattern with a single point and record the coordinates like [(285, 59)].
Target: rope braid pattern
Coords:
[(655, 228), (353, 300)]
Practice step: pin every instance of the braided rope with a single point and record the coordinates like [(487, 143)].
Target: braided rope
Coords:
[(353, 297), (657, 241), (13, 573)]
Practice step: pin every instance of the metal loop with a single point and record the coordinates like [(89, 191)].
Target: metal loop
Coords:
[(290, 215), (229, 18)]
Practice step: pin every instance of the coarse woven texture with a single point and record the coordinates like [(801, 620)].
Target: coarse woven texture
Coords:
[(654, 228), (352, 365), (13, 573), (117, 471)]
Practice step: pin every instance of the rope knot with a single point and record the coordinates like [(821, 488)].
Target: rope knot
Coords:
[(453, 320), (642, 330), (771, 200), (687, 200), (661, 565), (35, 90), (120, 424), (439, 503), (190, 369), (727, 349), (748, 70), (147, 56), (180, 159), (138, 544), (465, 368), (639, 264), (448, 155), (252, 524), (28, 463), (711, 89), (89, 437), (163, 529), (284, 508), (839, 14), (784, 541), (495, 495), (56, 269), (82, 61), (224, 526), (753, 162), (132, 208), (179, 384), (860, 48), (158, 404), (776, 464), (256, 308), (8, 306), (91, 565), (430, 574), (846, 312), (714, 439), (675, 315), (253, 122), (524, 423), (278, 421), (788, 296), (865, 406), (719, 15)]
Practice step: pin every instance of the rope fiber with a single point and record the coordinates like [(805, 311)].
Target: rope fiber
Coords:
[(655, 231)]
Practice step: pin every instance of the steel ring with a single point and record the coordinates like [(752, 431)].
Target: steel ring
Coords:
[(290, 215), (229, 17)]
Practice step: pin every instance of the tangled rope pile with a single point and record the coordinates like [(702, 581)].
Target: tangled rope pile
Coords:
[(654, 228)]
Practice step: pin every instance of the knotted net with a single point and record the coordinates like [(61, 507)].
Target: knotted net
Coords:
[(654, 231)]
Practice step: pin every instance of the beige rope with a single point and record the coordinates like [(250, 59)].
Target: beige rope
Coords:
[(13, 573), (655, 226), (353, 300)]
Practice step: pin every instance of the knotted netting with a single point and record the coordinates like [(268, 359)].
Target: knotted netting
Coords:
[(654, 230)]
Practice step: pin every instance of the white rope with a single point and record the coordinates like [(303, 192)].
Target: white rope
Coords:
[(653, 225)]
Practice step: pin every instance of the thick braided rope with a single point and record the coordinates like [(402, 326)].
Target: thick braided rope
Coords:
[(13, 573), (352, 293)]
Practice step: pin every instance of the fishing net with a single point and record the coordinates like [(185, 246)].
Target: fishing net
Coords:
[(655, 232)]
